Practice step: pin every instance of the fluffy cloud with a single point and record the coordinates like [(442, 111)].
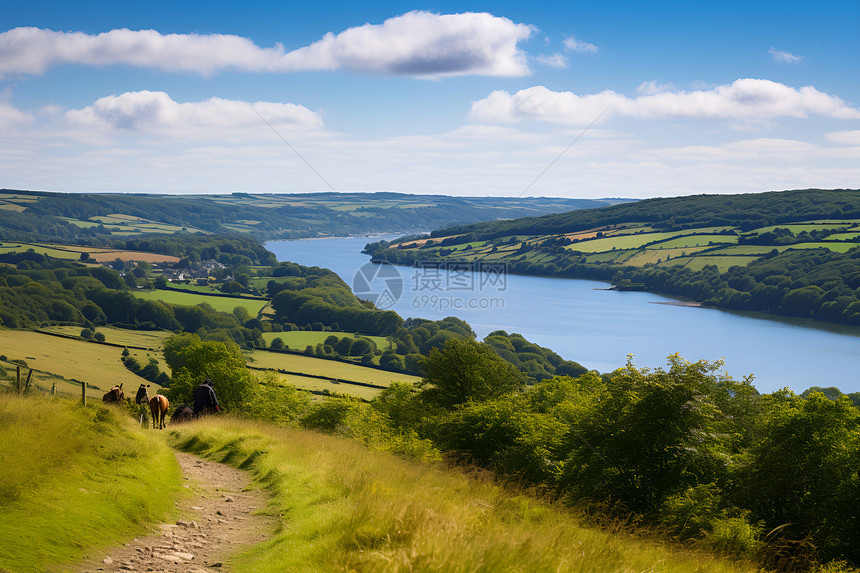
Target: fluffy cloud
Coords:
[(554, 61), (846, 137), (415, 44), (11, 118), (784, 57), (750, 100), (157, 112), (579, 46)]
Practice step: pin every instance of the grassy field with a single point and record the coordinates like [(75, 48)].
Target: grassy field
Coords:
[(220, 303), (318, 385), (722, 263), (327, 368), (345, 508), (299, 339), (697, 241), (74, 480), (145, 338), (97, 364)]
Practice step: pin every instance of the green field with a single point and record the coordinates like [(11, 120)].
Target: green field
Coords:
[(56, 253), (801, 227), (620, 242), (843, 236), (697, 241), (219, 303), (318, 385), (835, 247), (722, 263), (327, 368), (299, 339)]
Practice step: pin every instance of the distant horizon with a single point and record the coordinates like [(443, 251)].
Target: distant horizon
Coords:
[(484, 99)]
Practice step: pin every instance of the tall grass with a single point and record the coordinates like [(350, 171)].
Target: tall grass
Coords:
[(73, 479), (344, 508)]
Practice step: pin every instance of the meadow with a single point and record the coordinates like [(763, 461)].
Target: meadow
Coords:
[(73, 480), (349, 509)]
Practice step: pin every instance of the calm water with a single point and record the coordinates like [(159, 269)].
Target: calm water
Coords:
[(598, 328)]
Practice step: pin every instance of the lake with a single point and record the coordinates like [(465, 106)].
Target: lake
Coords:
[(598, 328)]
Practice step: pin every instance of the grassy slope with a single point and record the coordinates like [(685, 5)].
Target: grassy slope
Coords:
[(75, 479), (97, 364), (345, 508)]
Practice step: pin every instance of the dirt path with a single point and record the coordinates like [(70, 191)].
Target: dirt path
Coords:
[(214, 523)]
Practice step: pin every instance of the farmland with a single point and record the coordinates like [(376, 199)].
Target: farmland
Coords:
[(219, 303)]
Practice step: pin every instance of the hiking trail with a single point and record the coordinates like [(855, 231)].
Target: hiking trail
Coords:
[(215, 522)]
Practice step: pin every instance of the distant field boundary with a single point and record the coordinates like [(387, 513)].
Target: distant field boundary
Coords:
[(319, 377), (73, 337), (215, 294)]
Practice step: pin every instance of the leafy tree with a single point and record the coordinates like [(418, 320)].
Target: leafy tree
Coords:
[(277, 344), (221, 362), (652, 434), (803, 473), (465, 371)]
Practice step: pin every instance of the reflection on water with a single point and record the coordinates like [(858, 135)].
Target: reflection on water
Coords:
[(582, 321)]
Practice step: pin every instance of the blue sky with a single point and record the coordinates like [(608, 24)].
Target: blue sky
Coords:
[(630, 99)]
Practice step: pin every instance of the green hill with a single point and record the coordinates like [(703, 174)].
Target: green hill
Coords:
[(793, 253)]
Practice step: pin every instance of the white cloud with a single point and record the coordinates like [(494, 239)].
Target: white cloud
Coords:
[(579, 46), (750, 100), (653, 87), (554, 61), (846, 137), (420, 44), (157, 112), (11, 118), (784, 57)]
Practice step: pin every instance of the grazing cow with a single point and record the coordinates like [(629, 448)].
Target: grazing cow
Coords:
[(158, 405), (182, 413), (115, 394)]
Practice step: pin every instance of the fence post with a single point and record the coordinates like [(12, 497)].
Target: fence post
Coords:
[(18, 379), (27, 384), (83, 393)]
